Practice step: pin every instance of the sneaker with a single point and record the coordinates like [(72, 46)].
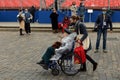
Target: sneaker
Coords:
[(96, 51), (105, 51), (95, 66)]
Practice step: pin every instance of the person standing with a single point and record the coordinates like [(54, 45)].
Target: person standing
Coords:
[(73, 9), (102, 24), (28, 17), (80, 28), (54, 20), (32, 12), (81, 11), (21, 18)]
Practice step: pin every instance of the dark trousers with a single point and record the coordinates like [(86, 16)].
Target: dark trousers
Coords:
[(89, 59), (21, 32), (27, 28), (99, 32)]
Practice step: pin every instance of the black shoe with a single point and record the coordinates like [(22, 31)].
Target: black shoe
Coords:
[(45, 67), (41, 62), (21, 34), (28, 33), (95, 66), (82, 70)]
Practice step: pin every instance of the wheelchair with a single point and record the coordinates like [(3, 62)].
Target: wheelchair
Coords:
[(66, 64)]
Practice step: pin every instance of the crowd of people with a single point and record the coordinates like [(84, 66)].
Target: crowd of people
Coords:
[(77, 21), (28, 17), (67, 43), (101, 25), (75, 11)]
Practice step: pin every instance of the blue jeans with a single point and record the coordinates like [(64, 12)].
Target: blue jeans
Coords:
[(99, 32)]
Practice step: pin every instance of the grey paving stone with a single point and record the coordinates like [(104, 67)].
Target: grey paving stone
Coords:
[(19, 54)]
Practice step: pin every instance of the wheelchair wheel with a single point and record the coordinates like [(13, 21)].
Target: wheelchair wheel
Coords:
[(55, 72), (68, 66)]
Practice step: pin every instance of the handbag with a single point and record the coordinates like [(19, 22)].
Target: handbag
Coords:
[(80, 56)]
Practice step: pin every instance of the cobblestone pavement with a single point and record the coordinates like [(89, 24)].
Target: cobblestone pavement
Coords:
[(19, 54)]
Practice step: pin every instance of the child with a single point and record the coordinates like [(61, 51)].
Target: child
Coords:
[(64, 24)]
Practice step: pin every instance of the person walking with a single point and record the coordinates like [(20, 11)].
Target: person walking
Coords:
[(28, 17), (54, 20), (80, 28), (21, 18), (102, 24)]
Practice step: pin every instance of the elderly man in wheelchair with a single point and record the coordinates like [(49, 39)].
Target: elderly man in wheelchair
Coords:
[(67, 44)]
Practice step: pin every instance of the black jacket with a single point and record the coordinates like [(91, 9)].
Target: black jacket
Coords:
[(54, 20), (81, 28), (99, 22)]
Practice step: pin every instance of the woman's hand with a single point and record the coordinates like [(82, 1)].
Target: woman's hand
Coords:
[(79, 41)]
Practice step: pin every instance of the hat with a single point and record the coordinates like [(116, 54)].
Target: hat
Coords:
[(67, 31)]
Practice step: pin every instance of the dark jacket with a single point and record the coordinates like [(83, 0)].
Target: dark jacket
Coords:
[(99, 22), (54, 20), (27, 17), (81, 28), (32, 10), (81, 10)]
